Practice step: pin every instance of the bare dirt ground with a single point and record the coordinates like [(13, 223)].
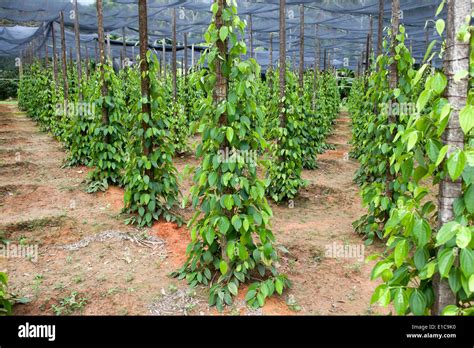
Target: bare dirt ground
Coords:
[(90, 262)]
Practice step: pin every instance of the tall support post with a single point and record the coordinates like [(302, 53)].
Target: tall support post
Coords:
[(46, 58), (220, 92), (192, 56), (101, 38), (185, 54), (371, 39), (145, 78), (109, 49), (78, 50), (282, 62), (318, 47), (250, 28), (173, 57), (87, 62), (325, 59), (301, 67), (380, 28), (55, 56), (456, 59), (124, 47), (270, 53), (367, 54), (164, 58), (64, 62)]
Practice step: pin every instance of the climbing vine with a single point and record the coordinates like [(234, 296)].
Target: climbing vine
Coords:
[(231, 239)]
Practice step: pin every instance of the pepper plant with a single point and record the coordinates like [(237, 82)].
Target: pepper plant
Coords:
[(231, 238)]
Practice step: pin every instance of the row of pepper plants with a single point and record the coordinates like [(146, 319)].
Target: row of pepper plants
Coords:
[(398, 140)]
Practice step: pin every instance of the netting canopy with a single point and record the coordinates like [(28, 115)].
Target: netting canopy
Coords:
[(338, 27)]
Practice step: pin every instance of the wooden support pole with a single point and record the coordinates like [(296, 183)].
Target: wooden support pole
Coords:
[(380, 28), (185, 54), (250, 36), (55, 56), (101, 39), (109, 49), (282, 62), (163, 60), (173, 57), (270, 54), (64, 62), (124, 50), (77, 36), (456, 58), (325, 59), (87, 62), (301, 67), (46, 58), (145, 78)]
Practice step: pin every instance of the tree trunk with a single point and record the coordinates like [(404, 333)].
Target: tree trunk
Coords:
[(456, 59), (393, 84), (145, 78), (220, 92), (282, 63)]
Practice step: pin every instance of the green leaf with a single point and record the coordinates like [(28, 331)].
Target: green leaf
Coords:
[(229, 133), (223, 267), (232, 288), (212, 179), (440, 25), (467, 261), (450, 310), (422, 232), (441, 155), (401, 252), (224, 224), (236, 222), (446, 232), (445, 261), (423, 99), (210, 234), (456, 163), (463, 237), (223, 32), (400, 301), (417, 302), (412, 138), (278, 286), (471, 283), (466, 118)]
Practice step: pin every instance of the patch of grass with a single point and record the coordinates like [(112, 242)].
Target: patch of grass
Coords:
[(37, 224), (73, 303)]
